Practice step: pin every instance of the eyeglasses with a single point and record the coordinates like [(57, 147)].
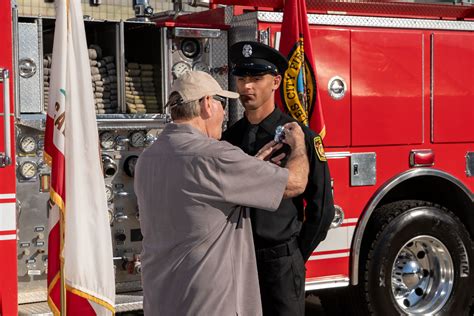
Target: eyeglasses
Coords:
[(222, 100), (218, 98)]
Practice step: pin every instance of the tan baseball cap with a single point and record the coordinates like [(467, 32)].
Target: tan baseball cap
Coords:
[(194, 85)]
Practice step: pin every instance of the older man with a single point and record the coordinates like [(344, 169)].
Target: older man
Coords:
[(194, 193)]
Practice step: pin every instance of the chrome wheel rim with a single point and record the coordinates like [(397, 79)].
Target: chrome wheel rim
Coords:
[(422, 276)]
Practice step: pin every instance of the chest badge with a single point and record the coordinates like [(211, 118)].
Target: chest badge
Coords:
[(247, 50), (318, 147)]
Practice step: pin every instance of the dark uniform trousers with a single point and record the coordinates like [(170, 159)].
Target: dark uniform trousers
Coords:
[(281, 275)]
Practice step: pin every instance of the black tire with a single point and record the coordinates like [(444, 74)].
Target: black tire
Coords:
[(393, 226)]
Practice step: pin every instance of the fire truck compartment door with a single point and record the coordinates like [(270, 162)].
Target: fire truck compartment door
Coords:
[(387, 87), (453, 87), (331, 48)]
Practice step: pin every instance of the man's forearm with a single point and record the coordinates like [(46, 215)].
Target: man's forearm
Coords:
[(298, 167)]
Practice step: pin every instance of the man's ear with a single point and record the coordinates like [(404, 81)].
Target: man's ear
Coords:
[(206, 111), (276, 82)]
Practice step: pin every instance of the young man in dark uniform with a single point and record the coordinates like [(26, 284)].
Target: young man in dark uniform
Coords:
[(284, 240)]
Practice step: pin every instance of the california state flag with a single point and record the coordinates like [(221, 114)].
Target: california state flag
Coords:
[(80, 246)]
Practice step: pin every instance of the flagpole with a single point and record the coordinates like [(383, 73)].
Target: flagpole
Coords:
[(62, 275), (62, 218)]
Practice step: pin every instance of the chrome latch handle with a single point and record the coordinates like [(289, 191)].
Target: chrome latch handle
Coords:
[(5, 158)]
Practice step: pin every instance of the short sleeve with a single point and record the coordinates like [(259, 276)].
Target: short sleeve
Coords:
[(248, 181)]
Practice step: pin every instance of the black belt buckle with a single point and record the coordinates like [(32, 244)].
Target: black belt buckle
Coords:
[(282, 250)]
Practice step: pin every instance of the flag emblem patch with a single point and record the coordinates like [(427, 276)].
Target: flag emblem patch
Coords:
[(318, 147)]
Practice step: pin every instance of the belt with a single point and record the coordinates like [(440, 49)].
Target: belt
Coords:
[(281, 250)]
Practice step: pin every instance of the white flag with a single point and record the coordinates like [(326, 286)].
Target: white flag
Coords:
[(77, 183)]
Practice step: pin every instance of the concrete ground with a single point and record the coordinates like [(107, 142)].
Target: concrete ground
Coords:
[(313, 308)]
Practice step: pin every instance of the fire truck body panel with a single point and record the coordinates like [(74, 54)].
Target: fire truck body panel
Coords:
[(391, 111), (453, 84), (8, 265)]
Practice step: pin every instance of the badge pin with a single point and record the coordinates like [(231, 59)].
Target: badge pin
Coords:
[(247, 50)]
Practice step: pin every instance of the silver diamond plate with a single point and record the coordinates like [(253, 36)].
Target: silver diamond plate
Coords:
[(228, 14), (123, 303), (30, 88), (29, 295), (219, 62), (37, 309), (129, 302), (348, 20), (131, 121), (243, 28), (219, 65)]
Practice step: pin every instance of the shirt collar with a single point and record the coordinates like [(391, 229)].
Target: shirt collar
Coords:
[(182, 128), (270, 122)]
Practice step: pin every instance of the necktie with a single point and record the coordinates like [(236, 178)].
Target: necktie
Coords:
[(248, 144)]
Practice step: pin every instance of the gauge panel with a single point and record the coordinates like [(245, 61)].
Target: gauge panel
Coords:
[(109, 193), (179, 69), (28, 170), (137, 139), (107, 140), (111, 216), (28, 144)]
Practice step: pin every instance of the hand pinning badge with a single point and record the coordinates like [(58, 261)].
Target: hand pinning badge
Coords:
[(279, 134)]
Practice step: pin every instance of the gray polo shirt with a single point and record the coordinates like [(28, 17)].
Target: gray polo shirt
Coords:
[(198, 256)]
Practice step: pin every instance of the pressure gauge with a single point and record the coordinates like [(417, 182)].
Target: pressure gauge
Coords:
[(111, 216), (28, 170), (200, 66), (28, 144), (107, 140), (109, 193), (137, 139), (129, 165), (179, 69)]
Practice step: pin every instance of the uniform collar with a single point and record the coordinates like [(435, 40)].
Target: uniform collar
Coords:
[(270, 122)]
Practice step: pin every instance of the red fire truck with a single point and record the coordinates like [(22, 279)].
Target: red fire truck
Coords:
[(396, 82)]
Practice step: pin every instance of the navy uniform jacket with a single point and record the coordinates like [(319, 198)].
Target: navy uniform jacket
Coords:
[(309, 224)]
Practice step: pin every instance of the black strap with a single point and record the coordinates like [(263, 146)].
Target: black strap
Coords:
[(282, 250)]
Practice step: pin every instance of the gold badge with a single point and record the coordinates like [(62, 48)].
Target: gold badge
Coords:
[(318, 147)]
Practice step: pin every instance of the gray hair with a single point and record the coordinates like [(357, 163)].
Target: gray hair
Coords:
[(183, 110)]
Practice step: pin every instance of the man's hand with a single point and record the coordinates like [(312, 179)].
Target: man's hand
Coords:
[(266, 151), (294, 136)]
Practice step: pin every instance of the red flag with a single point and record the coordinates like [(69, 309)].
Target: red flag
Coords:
[(80, 264), (299, 92)]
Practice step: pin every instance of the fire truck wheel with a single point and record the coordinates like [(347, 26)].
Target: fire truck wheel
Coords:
[(420, 262)]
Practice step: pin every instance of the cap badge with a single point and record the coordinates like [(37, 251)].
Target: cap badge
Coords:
[(247, 50)]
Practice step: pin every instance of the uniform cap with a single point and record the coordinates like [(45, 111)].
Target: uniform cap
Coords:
[(194, 85), (253, 58)]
